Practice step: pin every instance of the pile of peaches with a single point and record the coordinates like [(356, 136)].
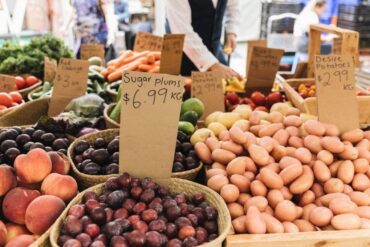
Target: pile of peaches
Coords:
[(33, 193)]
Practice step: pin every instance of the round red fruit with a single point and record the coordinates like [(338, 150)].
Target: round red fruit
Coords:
[(31, 80), (17, 97), (20, 82), (258, 98)]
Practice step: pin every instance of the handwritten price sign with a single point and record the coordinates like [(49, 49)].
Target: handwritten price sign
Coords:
[(171, 54), (150, 109), (70, 83), (147, 42), (50, 69), (7, 83), (336, 91), (207, 86)]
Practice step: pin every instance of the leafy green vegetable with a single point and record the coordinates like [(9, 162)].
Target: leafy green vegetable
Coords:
[(29, 59)]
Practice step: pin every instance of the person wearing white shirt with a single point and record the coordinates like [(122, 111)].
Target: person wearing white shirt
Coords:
[(310, 15), (202, 22)]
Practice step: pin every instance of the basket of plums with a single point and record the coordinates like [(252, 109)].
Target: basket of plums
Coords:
[(127, 211), (94, 157)]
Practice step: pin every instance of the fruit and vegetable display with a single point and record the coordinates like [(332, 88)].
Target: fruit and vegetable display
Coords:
[(29, 59), (233, 84), (285, 172), (34, 193), (9, 100), (145, 61), (257, 100), (102, 157), (139, 212)]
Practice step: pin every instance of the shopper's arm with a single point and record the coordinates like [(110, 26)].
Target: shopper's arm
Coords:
[(179, 18), (233, 17)]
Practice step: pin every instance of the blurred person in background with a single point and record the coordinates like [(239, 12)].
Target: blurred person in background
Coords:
[(38, 16), (202, 22), (309, 15), (122, 12), (95, 22)]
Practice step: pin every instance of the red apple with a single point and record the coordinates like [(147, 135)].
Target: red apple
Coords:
[(273, 98), (233, 98), (258, 98), (249, 102)]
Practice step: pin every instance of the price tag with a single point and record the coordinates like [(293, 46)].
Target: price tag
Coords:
[(171, 54), (263, 67), (251, 44), (336, 91), (70, 83), (50, 69), (147, 42), (7, 83), (207, 86), (92, 50), (149, 121)]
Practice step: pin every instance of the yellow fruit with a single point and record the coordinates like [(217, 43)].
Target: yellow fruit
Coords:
[(212, 117), (216, 128), (228, 118), (201, 135), (244, 111)]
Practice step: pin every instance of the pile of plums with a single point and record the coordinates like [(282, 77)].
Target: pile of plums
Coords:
[(16, 140), (134, 212), (102, 158)]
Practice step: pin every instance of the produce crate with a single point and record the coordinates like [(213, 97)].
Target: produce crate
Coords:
[(346, 44), (309, 105), (350, 238)]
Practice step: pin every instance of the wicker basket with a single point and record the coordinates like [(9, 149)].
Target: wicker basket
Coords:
[(86, 181), (176, 186), (25, 91), (113, 94), (7, 110), (26, 114), (36, 90), (109, 123)]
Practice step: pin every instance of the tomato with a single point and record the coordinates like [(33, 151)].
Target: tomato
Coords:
[(3, 107), (31, 80), (17, 97), (20, 82), (5, 99), (14, 104)]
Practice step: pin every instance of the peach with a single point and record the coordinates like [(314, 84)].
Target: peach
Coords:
[(34, 166), (23, 240), (42, 213), (60, 163), (16, 202), (7, 179), (15, 230), (62, 186), (3, 233)]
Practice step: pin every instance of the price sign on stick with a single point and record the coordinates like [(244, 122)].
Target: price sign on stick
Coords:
[(149, 121), (251, 44), (207, 86), (7, 83), (70, 83), (171, 54), (336, 91), (92, 50), (50, 69), (264, 65), (147, 42)]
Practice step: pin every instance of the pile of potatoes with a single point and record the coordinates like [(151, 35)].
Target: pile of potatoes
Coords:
[(282, 172)]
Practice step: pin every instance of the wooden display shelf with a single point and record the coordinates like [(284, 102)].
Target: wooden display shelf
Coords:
[(350, 238), (345, 44), (309, 105)]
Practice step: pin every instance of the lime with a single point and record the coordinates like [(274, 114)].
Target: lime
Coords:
[(95, 61), (186, 127), (190, 116), (193, 104)]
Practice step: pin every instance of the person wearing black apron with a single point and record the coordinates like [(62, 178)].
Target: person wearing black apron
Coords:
[(202, 22)]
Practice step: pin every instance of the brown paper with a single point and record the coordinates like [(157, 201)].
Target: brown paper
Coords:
[(149, 121), (7, 83), (171, 54), (251, 44), (70, 83), (92, 50), (147, 42), (337, 45), (263, 67), (207, 86), (336, 91), (50, 69)]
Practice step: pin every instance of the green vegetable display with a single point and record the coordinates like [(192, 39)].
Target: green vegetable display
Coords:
[(29, 59)]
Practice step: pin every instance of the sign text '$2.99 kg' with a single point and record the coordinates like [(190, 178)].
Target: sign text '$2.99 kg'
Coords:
[(157, 94)]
